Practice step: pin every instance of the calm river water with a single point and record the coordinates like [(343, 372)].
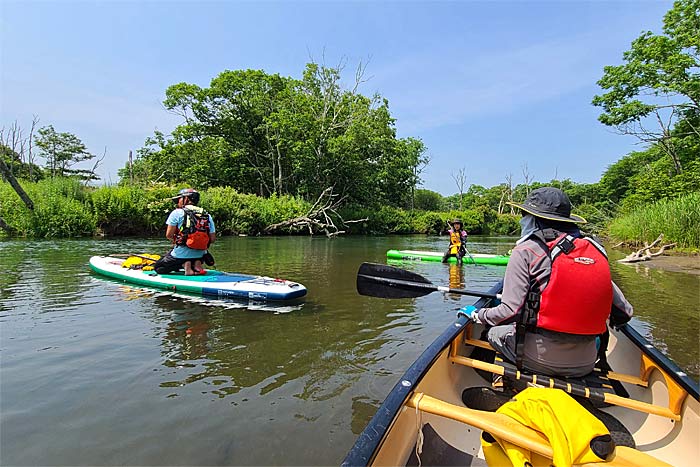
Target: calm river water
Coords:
[(93, 372)]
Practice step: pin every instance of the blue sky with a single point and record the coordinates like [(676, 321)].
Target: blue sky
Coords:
[(487, 86)]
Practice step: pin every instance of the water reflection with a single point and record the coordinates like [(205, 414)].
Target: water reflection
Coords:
[(665, 309), (456, 276)]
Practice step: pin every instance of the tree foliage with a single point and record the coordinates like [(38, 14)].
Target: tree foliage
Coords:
[(658, 84), (267, 134), (427, 200), (62, 151)]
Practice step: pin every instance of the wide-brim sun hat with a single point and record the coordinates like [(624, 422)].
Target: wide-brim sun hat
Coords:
[(549, 203)]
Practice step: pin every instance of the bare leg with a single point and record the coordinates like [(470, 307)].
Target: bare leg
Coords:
[(188, 268), (198, 266)]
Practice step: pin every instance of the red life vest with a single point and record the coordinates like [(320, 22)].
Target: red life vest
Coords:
[(194, 232), (578, 297)]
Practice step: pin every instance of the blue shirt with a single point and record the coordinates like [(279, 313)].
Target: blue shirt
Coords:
[(176, 219)]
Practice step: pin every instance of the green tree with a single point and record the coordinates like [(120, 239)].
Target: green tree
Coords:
[(62, 151), (658, 84), (427, 200), (267, 134)]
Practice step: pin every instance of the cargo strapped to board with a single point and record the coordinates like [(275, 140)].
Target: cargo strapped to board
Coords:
[(143, 261)]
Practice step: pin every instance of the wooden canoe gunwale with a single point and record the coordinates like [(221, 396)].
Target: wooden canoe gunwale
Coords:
[(662, 361), (369, 440)]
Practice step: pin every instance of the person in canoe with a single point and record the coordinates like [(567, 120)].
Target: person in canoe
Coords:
[(557, 293), (458, 242), (191, 229)]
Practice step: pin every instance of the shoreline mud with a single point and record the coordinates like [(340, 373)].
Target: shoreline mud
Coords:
[(674, 263)]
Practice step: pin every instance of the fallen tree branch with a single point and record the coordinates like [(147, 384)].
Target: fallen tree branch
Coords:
[(644, 253), (319, 218), (6, 227), (7, 175)]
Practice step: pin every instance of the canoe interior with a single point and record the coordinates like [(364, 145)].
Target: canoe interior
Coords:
[(451, 442)]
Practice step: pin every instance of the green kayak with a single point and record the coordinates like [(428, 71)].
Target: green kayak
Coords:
[(474, 258)]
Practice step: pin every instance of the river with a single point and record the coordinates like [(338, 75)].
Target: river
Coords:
[(93, 372)]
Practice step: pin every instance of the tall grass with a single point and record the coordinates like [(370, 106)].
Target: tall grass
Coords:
[(678, 219), (60, 209)]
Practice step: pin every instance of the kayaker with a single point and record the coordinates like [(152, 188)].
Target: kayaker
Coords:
[(191, 229), (458, 242), (549, 316)]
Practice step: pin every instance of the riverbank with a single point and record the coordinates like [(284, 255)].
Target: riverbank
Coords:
[(676, 218), (686, 264)]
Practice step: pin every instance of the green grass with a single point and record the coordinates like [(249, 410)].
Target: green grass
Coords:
[(678, 219)]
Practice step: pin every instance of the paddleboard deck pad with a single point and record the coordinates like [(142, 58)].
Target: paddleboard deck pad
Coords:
[(476, 258), (213, 283)]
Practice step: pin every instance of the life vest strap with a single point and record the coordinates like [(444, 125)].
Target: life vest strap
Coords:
[(564, 245)]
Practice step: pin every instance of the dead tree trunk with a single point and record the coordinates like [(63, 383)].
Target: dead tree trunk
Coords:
[(5, 170), (7, 174), (319, 218), (6, 227)]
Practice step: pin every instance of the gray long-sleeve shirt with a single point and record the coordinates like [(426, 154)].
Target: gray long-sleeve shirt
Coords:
[(528, 261)]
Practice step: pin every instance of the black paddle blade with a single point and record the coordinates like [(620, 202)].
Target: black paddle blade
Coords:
[(383, 281), (390, 272), (376, 287), (380, 280)]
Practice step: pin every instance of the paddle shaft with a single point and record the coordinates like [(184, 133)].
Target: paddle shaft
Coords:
[(427, 286)]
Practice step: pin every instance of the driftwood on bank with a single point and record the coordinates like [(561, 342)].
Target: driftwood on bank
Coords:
[(319, 218), (644, 253)]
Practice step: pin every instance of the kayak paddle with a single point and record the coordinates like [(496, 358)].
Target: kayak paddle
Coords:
[(471, 257), (384, 281)]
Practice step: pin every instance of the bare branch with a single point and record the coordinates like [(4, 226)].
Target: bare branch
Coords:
[(318, 217), (644, 253), (460, 178), (528, 178)]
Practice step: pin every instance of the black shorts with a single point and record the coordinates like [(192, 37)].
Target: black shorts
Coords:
[(169, 263)]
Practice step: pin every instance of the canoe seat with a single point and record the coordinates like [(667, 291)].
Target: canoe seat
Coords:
[(596, 386), (639, 381), (504, 427)]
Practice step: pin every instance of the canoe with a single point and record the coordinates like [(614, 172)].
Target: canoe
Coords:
[(475, 258), (661, 414), (213, 283)]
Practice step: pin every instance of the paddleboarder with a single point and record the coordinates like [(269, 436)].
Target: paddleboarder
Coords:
[(458, 242), (192, 231)]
